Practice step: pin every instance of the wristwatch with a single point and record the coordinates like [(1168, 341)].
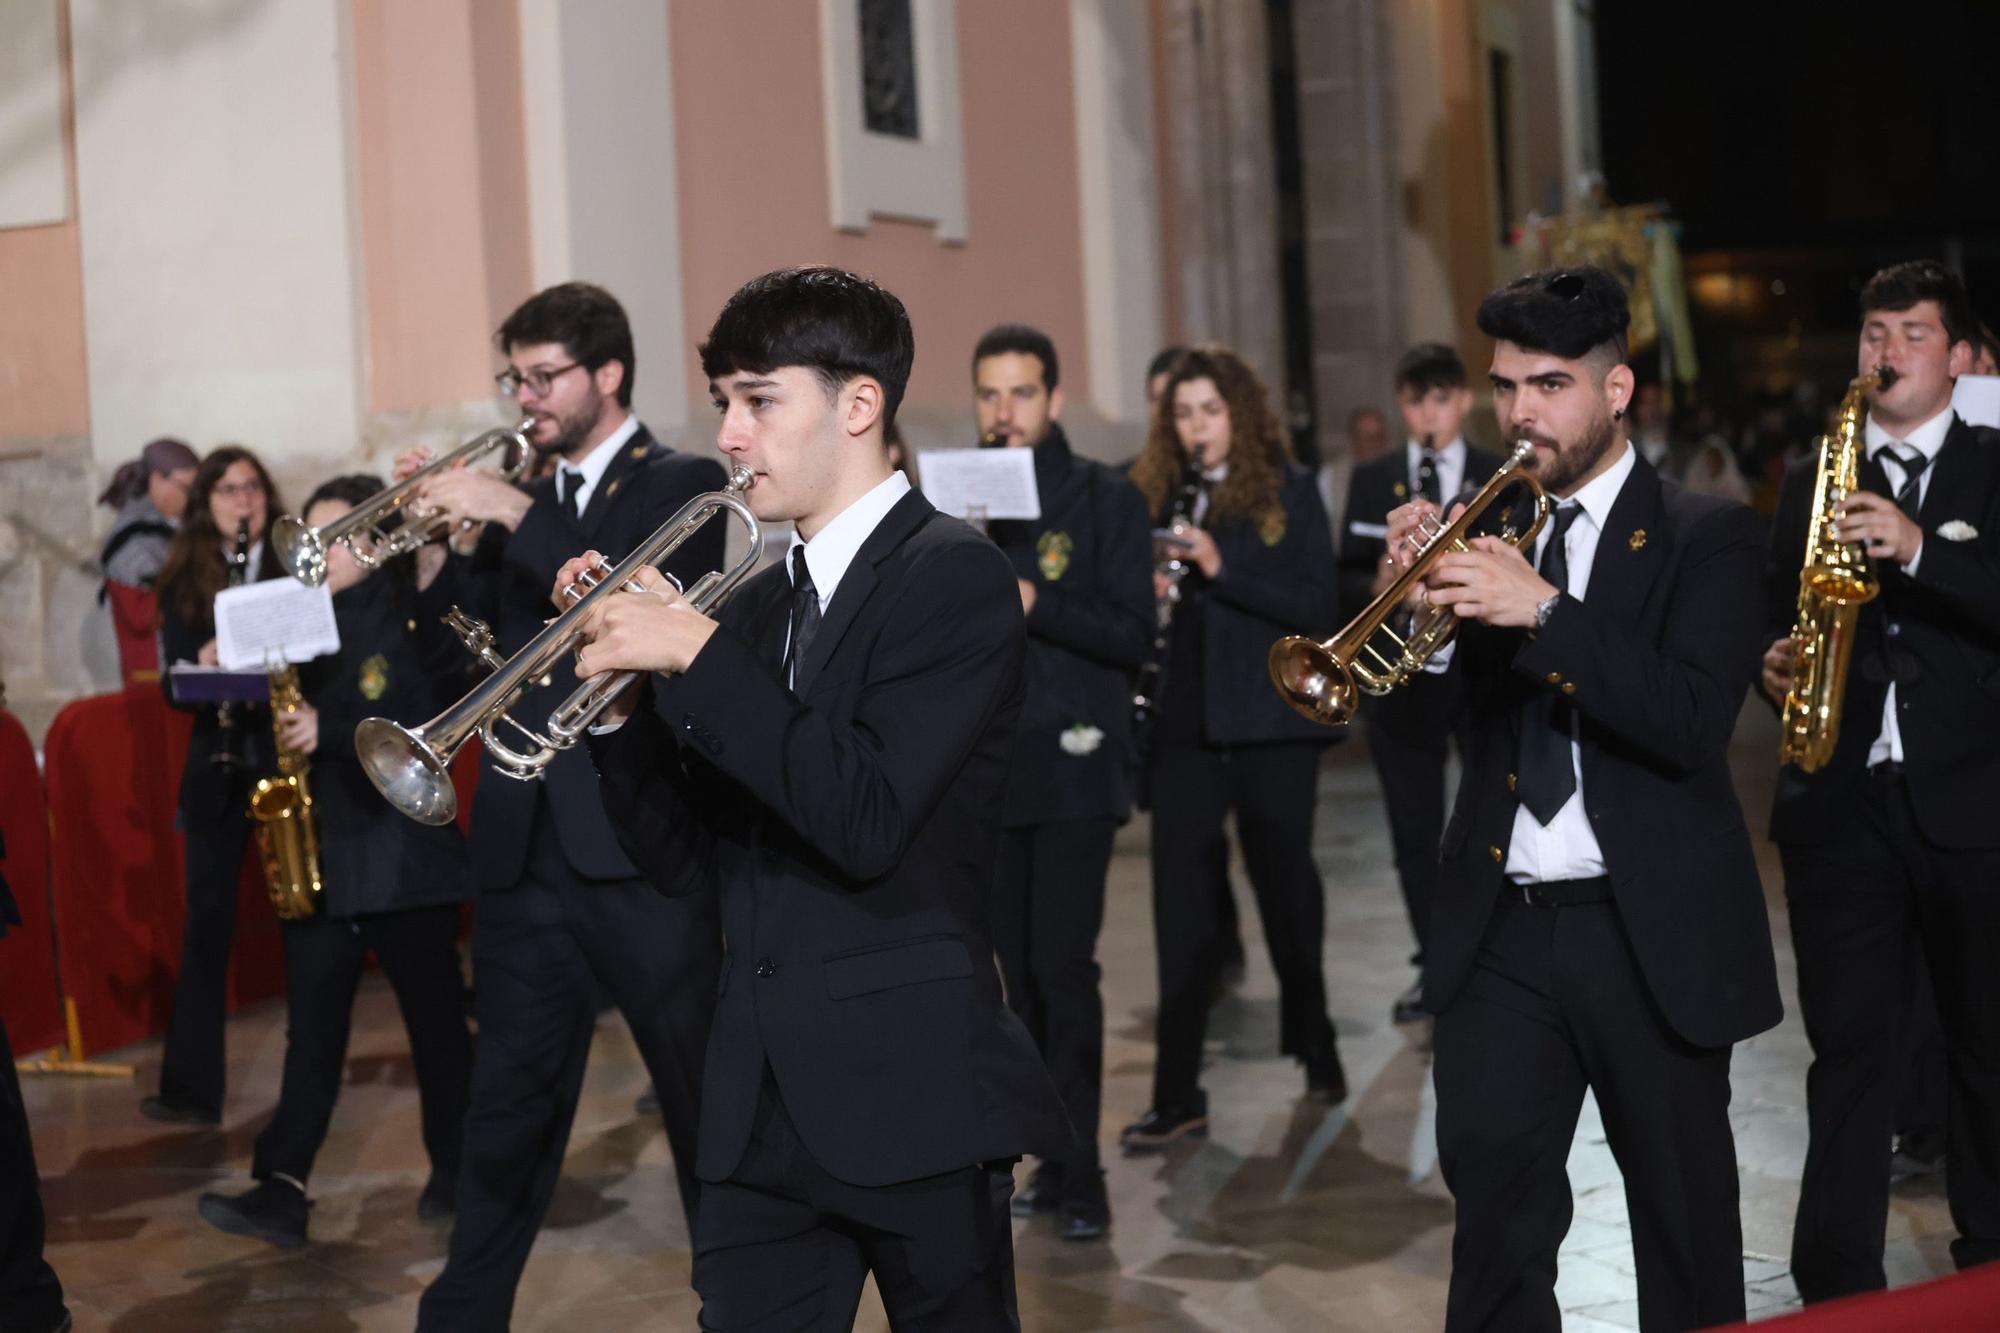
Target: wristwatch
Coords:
[(1544, 608)]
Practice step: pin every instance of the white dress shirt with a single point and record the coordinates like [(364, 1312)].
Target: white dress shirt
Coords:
[(1926, 439), (1450, 468), (1566, 847), (834, 547), (591, 470)]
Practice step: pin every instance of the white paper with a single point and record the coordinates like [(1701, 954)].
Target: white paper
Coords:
[(982, 483), (278, 620), (1977, 399)]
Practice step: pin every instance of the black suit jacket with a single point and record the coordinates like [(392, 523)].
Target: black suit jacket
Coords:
[(395, 661), (1425, 710), (506, 582), (1655, 659), (851, 829), (1944, 655), (1278, 578), (1090, 557)]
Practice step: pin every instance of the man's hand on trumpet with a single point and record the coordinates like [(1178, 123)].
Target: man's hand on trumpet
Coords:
[(657, 630), (1492, 582), (1408, 524), (466, 495)]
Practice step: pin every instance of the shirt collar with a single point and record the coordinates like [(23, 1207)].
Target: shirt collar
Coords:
[(830, 552), (1599, 495), (594, 463), (1454, 451), (1926, 439)]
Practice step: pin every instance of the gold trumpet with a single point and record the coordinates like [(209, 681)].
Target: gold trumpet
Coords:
[(411, 766), (1324, 680), (366, 529), (1833, 584)]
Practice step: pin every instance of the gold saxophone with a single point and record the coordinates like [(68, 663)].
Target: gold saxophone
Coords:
[(282, 806), (1833, 584)]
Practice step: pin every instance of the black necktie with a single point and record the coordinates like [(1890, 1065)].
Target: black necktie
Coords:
[(1427, 477), (1914, 463), (1545, 778), (568, 484), (805, 613)]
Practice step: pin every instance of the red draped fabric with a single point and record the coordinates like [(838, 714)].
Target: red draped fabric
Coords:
[(114, 767), (29, 1001), (1957, 1304)]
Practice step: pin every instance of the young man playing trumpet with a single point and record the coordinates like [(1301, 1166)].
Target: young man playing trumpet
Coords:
[(1891, 848), (829, 754), (1599, 922), (562, 913)]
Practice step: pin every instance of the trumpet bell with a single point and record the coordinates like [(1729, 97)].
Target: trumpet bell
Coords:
[(1313, 681), (407, 770), (299, 549)]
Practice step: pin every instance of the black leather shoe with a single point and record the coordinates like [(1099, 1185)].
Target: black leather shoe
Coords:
[(1158, 1128), (439, 1199), (1041, 1194), (274, 1212), (1326, 1081), (174, 1111), (1409, 1006), (1086, 1209)]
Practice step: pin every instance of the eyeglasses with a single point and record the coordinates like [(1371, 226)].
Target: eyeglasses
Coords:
[(237, 490), (511, 381)]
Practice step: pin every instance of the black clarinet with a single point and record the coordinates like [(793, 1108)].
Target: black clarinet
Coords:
[(228, 754), (1168, 562)]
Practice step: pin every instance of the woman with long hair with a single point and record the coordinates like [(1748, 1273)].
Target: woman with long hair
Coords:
[(1260, 566), (231, 748)]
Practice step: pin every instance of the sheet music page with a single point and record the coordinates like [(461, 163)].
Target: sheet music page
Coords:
[(279, 620), (1977, 398), (988, 483)]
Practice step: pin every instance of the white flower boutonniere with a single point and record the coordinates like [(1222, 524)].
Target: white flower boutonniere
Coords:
[(1082, 739), (1958, 530)]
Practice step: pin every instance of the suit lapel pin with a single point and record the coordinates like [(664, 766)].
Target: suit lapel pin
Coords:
[(638, 451), (1638, 539), (1958, 530), (1402, 491), (612, 489)]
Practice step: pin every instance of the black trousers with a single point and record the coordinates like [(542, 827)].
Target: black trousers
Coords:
[(539, 951), (192, 1063), (418, 948), (1862, 903), (781, 1246), (1047, 908), (30, 1294), (1555, 1004), (1271, 790), (1410, 764), (1924, 1094)]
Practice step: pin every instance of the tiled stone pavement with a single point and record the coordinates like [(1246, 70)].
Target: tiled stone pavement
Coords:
[(1290, 1216)]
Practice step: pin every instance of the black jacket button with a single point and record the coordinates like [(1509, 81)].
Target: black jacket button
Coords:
[(766, 968)]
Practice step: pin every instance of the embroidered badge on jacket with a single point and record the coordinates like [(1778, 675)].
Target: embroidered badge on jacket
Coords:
[(373, 681), (1637, 541), (1272, 529), (1052, 552)]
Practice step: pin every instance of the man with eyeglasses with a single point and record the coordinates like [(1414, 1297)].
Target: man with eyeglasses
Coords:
[(1599, 924), (562, 914), (1891, 851)]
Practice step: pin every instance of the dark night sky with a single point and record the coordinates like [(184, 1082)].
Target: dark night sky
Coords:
[(1779, 123)]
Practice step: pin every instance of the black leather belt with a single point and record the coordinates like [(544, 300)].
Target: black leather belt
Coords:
[(1889, 770), (1560, 892)]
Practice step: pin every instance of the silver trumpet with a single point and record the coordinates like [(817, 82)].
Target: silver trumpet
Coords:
[(411, 766), (366, 529)]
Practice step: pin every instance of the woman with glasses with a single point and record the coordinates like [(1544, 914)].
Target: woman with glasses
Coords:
[(229, 504), (1261, 566)]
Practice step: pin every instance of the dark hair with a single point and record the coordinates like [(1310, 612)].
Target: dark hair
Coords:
[(1163, 361), (1987, 342), (825, 319), (1004, 338), (1430, 366), (195, 571), (1258, 447), (585, 319), (1901, 286), (1566, 312), (351, 489), (163, 455)]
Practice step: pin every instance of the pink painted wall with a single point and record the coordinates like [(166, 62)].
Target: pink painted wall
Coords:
[(426, 213), (44, 370), (753, 180)]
